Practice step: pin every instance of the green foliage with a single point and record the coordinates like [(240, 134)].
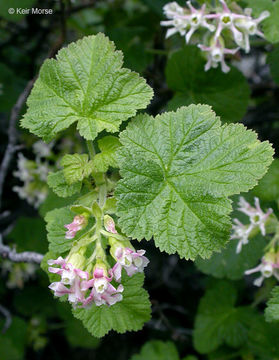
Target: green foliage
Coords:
[(219, 321), (273, 60), (157, 350), (268, 187), (228, 94), (6, 5), (272, 310), (57, 182), (107, 157), (11, 84), (78, 336), (129, 314), (29, 234), (229, 264), (178, 170), (76, 167), (263, 338), (13, 342), (86, 84), (56, 219), (269, 25)]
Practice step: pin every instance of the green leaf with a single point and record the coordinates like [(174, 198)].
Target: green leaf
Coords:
[(130, 314), (76, 167), (268, 187), (269, 25), (228, 94), (272, 310), (87, 85), (57, 182), (263, 338), (13, 341), (273, 60), (53, 201), (218, 321), (77, 335), (107, 157), (56, 219), (229, 264), (157, 350), (178, 170), (27, 240)]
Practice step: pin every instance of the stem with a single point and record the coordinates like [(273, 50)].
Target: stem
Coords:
[(116, 236), (91, 149)]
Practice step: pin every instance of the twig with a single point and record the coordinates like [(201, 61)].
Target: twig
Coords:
[(8, 318), (26, 256), (11, 148)]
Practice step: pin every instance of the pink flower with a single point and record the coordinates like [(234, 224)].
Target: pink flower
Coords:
[(109, 224), (132, 261), (70, 282), (77, 224), (102, 291)]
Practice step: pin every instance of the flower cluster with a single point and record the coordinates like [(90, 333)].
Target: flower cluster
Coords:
[(33, 174), (84, 286), (257, 219), (240, 24), (268, 267)]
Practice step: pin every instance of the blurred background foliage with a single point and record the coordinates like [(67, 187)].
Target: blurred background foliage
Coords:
[(43, 328)]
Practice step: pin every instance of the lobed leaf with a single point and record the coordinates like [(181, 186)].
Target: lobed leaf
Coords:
[(107, 157), (218, 321), (57, 182), (76, 167), (129, 314), (178, 170), (85, 84)]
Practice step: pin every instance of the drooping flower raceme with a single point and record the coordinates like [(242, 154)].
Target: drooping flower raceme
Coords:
[(88, 281), (257, 219), (240, 24)]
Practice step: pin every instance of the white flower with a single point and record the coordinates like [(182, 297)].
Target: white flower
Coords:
[(41, 149), (216, 54), (267, 269), (256, 216), (249, 26), (241, 232)]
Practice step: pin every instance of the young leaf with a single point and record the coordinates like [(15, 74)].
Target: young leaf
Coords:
[(87, 85), (229, 264), (76, 167), (157, 350), (107, 157), (218, 321), (127, 315), (228, 94), (272, 310), (57, 182), (178, 170)]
